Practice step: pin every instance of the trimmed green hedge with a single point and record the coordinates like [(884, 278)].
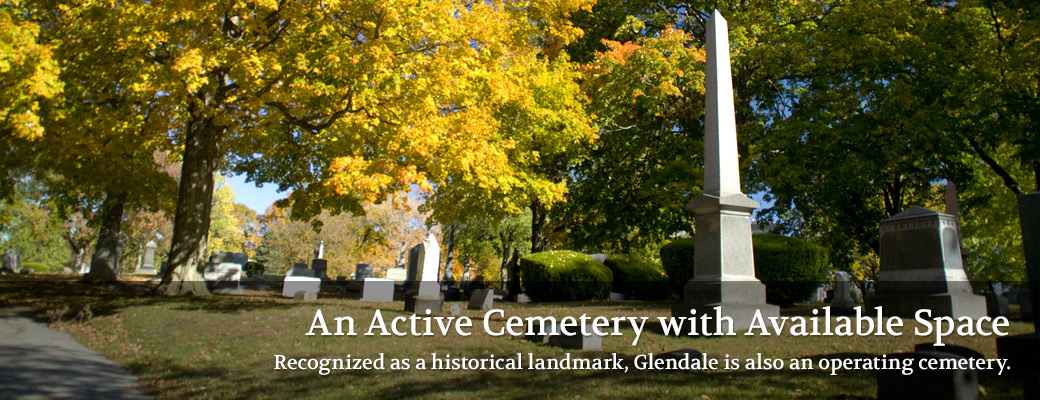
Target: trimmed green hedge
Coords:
[(637, 277), (677, 260), (564, 276), (791, 268), (37, 267)]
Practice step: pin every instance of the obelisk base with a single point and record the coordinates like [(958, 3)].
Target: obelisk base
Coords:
[(953, 305), (740, 301)]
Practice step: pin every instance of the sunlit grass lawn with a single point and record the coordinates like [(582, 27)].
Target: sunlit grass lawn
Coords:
[(224, 347)]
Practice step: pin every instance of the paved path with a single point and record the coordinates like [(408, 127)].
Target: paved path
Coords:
[(38, 362)]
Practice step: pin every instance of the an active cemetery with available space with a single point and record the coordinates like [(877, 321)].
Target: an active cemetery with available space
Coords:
[(514, 200)]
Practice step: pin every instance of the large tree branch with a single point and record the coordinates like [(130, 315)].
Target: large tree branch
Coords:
[(1009, 181)]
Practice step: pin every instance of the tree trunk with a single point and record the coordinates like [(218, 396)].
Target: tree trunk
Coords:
[(507, 250), (449, 272), (194, 202), (104, 265), (539, 242), (514, 275)]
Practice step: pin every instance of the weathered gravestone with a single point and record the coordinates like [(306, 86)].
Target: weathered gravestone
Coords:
[(320, 267), (12, 261), (425, 293), (921, 268), (952, 384), (362, 271), (300, 269), (148, 265), (483, 300), (553, 335), (223, 273), (724, 266), (602, 258), (305, 295), (843, 300), (300, 278), (397, 274), (377, 289)]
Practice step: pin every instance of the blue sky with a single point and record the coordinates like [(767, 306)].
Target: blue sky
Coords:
[(253, 197)]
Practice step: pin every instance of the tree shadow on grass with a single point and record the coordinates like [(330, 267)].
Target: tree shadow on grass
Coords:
[(55, 298)]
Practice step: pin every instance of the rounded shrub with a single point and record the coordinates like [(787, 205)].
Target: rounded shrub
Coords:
[(791, 268), (564, 276), (677, 260), (638, 277), (254, 268)]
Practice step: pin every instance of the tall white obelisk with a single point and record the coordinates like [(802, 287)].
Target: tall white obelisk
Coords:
[(724, 265)]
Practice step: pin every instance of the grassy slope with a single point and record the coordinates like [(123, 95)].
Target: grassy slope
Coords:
[(224, 347)]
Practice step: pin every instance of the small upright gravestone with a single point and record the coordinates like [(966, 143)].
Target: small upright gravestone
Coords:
[(377, 289), (921, 268), (223, 273), (843, 300), (397, 274), (12, 261), (483, 300), (425, 294), (148, 266), (362, 271), (320, 267)]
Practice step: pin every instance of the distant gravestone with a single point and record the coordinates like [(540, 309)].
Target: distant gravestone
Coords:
[(997, 305), (602, 258), (293, 284), (305, 295), (148, 266), (320, 267), (12, 261), (483, 299), (615, 296), (362, 271), (397, 274), (955, 384), (413, 265), (377, 289), (300, 269), (921, 268), (591, 342), (425, 293), (223, 273), (843, 300)]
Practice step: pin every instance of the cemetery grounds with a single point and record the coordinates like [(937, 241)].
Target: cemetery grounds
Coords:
[(224, 346)]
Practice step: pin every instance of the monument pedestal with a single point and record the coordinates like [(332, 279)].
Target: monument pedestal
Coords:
[(419, 304), (738, 300), (942, 305)]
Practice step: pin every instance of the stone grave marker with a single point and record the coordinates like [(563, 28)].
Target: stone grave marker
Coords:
[(148, 265), (921, 268), (362, 271), (724, 264), (483, 300), (320, 266), (397, 274), (223, 273), (425, 293), (602, 258), (292, 284), (843, 300), (300, 269), (305, 295), (12, 261), (377, 289)]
